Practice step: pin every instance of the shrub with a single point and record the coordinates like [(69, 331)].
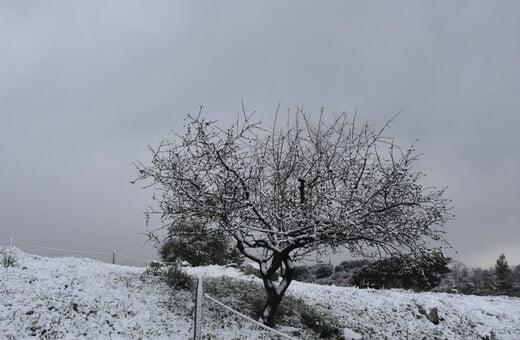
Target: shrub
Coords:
[(178, 279), (8, 259), (422, 272), (320, 323), (302, 273), (324, 270), (153, 269), (194, 242)]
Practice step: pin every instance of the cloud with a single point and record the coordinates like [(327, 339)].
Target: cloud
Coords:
[(86, 87)]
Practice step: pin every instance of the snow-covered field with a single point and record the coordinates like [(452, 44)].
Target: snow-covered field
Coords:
[(71, 298)]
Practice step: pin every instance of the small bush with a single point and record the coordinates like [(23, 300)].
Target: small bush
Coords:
[(194, 242), (8, 259), (154, 269), (302, 273), (178, 279), (320, 323)]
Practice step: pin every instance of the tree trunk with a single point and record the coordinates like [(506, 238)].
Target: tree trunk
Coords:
[(275, 292), (271, 307)]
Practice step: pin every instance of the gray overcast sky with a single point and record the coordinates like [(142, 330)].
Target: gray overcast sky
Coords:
[(86, 86)]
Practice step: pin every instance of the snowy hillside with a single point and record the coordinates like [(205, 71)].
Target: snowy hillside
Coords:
[(71, 298)]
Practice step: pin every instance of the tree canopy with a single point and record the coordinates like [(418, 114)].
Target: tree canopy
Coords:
[(286, 191)]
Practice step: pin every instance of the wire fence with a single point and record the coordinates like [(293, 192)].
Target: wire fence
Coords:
[(261, 325), (200, 295), (105, 256), (87, 252), (200, 298)]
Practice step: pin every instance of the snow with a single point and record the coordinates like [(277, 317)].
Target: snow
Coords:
[(397, 313), (349, 334), (73, 298)]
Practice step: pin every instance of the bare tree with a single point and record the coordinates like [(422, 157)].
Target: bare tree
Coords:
[(284, 192)]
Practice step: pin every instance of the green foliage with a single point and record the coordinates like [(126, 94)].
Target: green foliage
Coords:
[(178, 279), (194, 242), (422, 272)]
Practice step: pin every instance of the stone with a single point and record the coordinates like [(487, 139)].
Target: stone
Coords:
[(433, 316)]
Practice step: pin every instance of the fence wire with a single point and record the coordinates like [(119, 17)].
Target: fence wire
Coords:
[(79, 252), (63, 250), (133, 258), (88, 252), (272, 330)]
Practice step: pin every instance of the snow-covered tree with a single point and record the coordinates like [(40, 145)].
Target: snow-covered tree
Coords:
[(284, 192)]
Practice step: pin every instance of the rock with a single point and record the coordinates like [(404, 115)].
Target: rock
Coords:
[(433, 316)]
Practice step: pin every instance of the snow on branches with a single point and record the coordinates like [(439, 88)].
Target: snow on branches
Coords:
[(284, 192)]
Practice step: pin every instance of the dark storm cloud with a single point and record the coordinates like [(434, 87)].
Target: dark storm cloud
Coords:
[(84, 87)]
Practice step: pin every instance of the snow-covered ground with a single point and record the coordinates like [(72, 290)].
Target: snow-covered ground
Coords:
[(71, 298)]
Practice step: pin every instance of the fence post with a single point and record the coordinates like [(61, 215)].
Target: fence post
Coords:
[(199, 295), (114, 257)]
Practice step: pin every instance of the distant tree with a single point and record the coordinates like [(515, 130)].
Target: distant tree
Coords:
[(302, 273), (282, 193), (426, 270), (419, 272), (481, 282), (352, 264), (515, 274), (324, 270), (457, 280), (195, 243), (503, 275)]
